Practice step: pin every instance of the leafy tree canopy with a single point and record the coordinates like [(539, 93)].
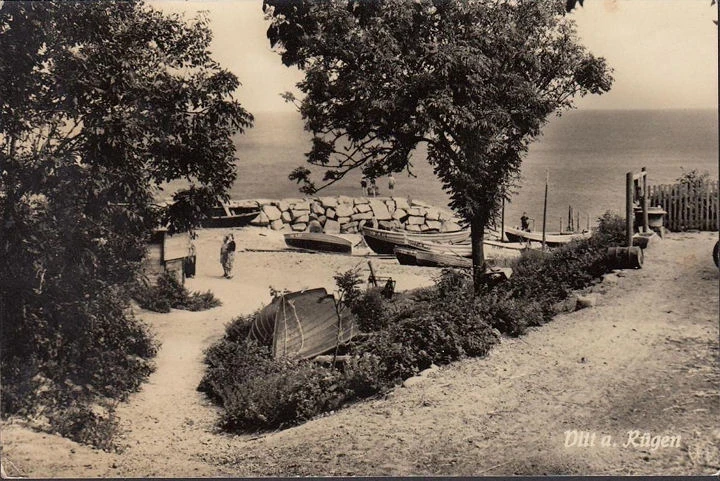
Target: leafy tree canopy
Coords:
[(100, 103), (475, 80)]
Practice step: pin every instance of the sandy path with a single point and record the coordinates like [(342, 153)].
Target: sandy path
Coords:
[(644, 358)]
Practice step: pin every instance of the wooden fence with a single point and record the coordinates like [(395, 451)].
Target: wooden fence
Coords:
[(688, 207)]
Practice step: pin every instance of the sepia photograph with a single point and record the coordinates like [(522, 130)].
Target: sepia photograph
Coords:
[(354, 238)]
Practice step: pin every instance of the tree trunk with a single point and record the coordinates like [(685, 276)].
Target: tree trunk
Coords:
[(477, 235)]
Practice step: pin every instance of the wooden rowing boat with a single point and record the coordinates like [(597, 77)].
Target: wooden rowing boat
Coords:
[(385, 241), (406, 256), (228, 215), (316, 241), (492, 248), (302, 324), (552, 239), (432, 259)]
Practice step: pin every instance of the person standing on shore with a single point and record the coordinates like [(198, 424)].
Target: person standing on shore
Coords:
[(525, 222), (374, 188), (391, 183), (363, 186), (227, 255)]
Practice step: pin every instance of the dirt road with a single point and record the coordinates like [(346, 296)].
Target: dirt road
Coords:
[(643, 360)]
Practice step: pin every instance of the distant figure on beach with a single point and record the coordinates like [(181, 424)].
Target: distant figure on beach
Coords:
[(374, 191), (391, 183), (227, 255), (363, 185), (525, 222)]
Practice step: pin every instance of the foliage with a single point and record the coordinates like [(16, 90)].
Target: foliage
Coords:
[(83, 424), (694, 179), (100, 104), (383, 76), (167, 293)]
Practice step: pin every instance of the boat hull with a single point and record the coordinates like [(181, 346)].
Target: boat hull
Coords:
[(319, 242), (384, 241), (302, 324), (553, 239), (406, 256), (431, 259)]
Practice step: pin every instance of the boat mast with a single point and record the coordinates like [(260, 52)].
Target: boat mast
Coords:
[(547, 175)]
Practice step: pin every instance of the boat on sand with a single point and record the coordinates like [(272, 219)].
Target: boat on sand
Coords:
[(385, 241), (552, 239), (302, 324), (316, 241)]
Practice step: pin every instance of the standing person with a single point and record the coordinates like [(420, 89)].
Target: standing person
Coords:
[(363, 185), (374, 188), (223, 255), (391, 183), (524, 222), (229, 256)]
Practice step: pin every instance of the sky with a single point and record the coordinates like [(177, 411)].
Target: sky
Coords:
[(664, 52)]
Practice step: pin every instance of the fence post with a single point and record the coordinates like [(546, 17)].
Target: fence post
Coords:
[(629, 214)]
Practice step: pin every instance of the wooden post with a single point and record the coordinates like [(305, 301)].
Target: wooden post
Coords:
[(629, 208), (588, 222), (561, 226), (645, 221), (547, 176), (570, 219), (502, 221)]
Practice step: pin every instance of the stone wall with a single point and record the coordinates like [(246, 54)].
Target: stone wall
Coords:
[(343, 214)]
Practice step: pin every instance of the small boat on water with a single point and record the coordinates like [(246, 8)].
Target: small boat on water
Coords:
[(302, 324), (316, 241), (385, 241), (552, 239)]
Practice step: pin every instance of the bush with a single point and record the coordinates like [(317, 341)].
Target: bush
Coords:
[(81, 423), (168, 294)]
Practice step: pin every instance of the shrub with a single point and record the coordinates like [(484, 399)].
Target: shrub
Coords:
[(81, 423), (168, 293)]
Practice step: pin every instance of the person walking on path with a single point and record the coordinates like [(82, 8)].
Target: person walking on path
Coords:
[(227, 255)]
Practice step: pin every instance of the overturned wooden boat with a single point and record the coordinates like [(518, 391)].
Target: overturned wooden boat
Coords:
[(316, 241), (385, 241), (552, 239), (302, 324)]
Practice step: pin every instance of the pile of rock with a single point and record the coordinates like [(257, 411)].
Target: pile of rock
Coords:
[(343, 214)]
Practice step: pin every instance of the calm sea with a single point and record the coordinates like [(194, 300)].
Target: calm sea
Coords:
[(586, 154)]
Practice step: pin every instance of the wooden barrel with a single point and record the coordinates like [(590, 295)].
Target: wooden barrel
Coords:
[(625, 257)]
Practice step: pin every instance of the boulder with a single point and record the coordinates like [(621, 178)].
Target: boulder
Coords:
[(415, 220), (361, 216), (328, 201), (360, 201), (419, 203), (272, 212), (283, 205), (343, 199), (433, 224), (362, 208), (444, 215), (332, 226), (299, 227), (277, 224), (303, 204), (322, 219), (380, 210), (449, 226), (399, 214), (260, 220), (297, 213), (432, 213), (401, 203), (390, 205), (330, 213), (302, 219), (416, 211), (344, 210), (349, 228), (413, 228), (317, 208), (343, 220), (315, 226), (387, 225), (286, 217)]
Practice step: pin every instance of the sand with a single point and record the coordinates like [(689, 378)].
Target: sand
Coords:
[(644, 358)]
